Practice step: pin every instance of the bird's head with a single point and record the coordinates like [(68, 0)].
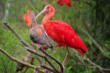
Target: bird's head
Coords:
[(47, 9), (79, 45), (82, 51)]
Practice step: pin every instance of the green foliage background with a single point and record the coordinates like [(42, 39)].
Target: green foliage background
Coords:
[(91, 15)]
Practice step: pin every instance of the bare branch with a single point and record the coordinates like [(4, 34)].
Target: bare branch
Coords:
[(97, 66), (46, 67), (52, 58), (34, 52), (19, 61), (93, 64)]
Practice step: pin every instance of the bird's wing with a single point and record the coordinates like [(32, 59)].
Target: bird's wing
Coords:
[(40, 37)]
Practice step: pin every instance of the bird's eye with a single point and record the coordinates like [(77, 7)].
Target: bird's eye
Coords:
[(47, 7)]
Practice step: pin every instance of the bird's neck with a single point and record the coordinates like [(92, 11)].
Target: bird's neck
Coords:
[(47, 17)]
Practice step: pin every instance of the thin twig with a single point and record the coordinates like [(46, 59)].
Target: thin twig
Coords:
[(46, 67), (97, 66), (93, 64), (19, 61), (43, 56), (53, 59)]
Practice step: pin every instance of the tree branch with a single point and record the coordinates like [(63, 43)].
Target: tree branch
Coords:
[(46, 67), (34, 52), (19, 61), (97, 66), (53, 59)]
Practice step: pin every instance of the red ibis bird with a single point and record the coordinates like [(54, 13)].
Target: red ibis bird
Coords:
[(37, 33), (61, 32), (62, 2)]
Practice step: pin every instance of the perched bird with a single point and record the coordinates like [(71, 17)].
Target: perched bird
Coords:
[(61, 32), (37, 33)]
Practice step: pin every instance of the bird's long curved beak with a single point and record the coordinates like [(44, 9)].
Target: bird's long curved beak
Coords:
[(42, 12)]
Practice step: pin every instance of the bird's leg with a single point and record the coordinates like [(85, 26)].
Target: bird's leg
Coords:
[(65, 58)]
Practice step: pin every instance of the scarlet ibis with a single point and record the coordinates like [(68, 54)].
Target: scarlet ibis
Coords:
[(61, 32), (37, 33), (62, 2)]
